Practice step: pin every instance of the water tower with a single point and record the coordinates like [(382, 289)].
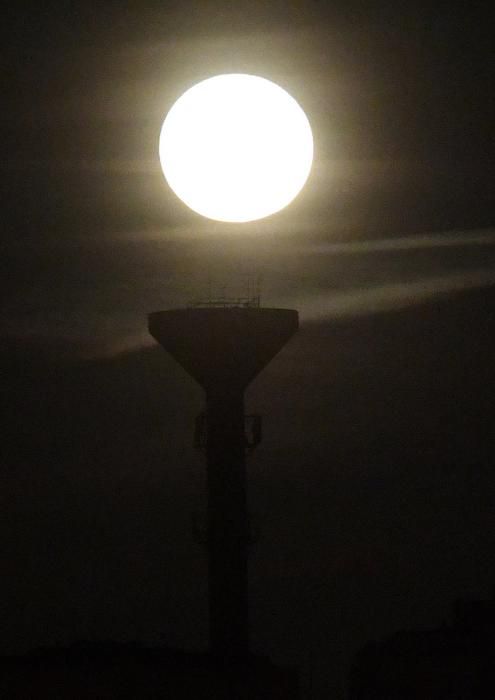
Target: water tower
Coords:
[(224, 346)]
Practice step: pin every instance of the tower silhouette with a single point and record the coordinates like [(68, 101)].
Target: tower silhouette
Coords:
[(224, 348)]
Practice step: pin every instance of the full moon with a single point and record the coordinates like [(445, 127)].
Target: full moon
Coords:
[(236, 148)]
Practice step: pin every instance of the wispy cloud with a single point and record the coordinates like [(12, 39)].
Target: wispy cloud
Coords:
[(387, 297), (120, 166), (417, 242)]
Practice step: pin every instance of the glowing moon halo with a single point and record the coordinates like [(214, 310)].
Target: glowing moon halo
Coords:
[(236, 148)]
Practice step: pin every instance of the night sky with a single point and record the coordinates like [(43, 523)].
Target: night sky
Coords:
[(373, 489)]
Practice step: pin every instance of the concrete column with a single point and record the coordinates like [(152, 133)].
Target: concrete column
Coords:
[(227, 522)]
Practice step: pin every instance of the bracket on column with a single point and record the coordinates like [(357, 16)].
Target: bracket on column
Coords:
[(253, 431)]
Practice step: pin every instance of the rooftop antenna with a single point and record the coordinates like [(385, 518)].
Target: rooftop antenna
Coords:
[(209, 285), (259, 278), (252, 289)]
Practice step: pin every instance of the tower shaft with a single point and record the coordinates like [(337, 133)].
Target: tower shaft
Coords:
[(228, 527)]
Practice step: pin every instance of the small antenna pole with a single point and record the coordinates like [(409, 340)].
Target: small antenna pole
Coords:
[(258, 289), (209, 284)]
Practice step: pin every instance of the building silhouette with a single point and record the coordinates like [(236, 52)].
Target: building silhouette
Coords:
[(112, 670), (452, 662)]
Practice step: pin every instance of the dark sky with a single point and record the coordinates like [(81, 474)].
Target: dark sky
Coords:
[(400, 99), (373, 488)]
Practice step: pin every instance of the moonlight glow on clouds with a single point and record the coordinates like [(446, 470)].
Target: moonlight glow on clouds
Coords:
[(236, 148)]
